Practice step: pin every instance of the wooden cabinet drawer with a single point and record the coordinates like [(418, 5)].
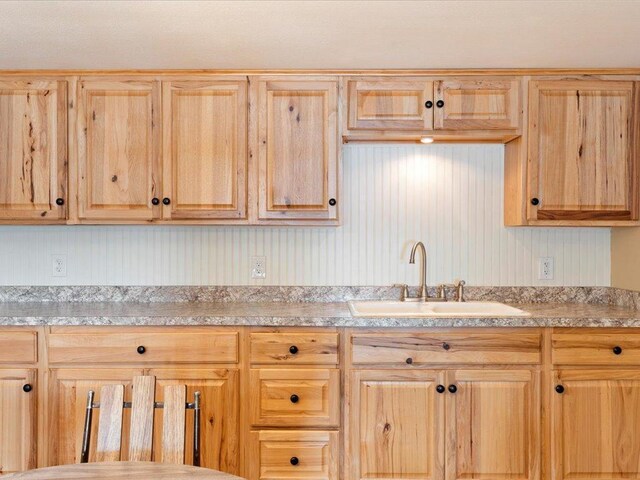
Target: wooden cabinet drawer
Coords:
[(18, 347), (595, 348), (410, 349), (294, 348), (142, 347), (289, 454), (297, 397)]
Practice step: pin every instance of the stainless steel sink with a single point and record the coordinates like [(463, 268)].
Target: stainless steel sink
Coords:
[(440, 309)]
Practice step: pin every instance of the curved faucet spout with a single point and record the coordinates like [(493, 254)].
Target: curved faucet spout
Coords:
[(423, 267)]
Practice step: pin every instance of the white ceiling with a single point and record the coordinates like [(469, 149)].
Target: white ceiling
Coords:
[(319, 34)]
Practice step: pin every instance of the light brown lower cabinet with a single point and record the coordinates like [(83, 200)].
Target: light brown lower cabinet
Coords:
[(595, 424), (294, 455), (17, 420), (435, 424)]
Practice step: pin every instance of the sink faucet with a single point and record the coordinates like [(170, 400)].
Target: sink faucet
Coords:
[(422, 295)]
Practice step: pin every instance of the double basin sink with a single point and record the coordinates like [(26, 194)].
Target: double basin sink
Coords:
[(433, 309)]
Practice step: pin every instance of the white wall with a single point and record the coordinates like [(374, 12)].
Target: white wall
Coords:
[(448, 196)]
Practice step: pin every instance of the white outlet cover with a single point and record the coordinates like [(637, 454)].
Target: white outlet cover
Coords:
[(58, 265), (545, 268), (259, 267)]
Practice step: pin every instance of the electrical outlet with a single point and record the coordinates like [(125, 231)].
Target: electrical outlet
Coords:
[(59, 265), (259, 267), (545, 268)]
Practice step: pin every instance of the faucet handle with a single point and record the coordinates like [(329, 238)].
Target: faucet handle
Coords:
[(404, 292), (441, 291), (460, 290)]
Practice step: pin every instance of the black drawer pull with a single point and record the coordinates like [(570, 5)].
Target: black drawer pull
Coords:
[(294, 398), (617, 350), (409, 360), (141, 349), (453, 388), (559, 389), (27, 387), (60, 201), (446, 346), (294, 461), (428, 104), (440, 103), (440, 389), (293, 349)]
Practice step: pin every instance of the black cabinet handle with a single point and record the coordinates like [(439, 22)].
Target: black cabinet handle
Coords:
[(440, 103), (141, 349), (155, 201), (294, 398), (559, 389), (535, 201), (409, 360), (166, 200), (453, 388), (440, 389), (293, 349), (617, 350), (27, 387), (332, 201), (428, 104), (294, 461), (60, 201), (446, 346)]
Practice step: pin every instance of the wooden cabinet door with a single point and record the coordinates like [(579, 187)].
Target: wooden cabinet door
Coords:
[(219, 417), (390, 104), (298, 149), (67, 405), (582, 165), (33, 150), (118, 149), (477, 104), (396, 425), (493, 423), (205, 149), (17, 420), (595, 421)]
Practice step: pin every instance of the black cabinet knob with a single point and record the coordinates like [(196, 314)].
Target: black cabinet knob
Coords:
[(293, 349), (440, 389), (440, 103), (166, 200), (409, 360), (141, 349), (155, 201), (446, 346), (294, 398), (332, 201), (59, 201), (453, 388), (27, 387), (559, 389), (294, 461), (428, 104), (617, 350), (535, 201)]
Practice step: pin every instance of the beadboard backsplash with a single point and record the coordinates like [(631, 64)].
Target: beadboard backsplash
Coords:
[(448, 196)]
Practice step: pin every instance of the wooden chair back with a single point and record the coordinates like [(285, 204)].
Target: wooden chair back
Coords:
[(142, 407)]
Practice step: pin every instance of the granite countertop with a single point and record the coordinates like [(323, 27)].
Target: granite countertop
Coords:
[(321, 314)]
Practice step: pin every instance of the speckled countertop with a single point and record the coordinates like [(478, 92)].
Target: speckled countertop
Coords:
[(324, 314)]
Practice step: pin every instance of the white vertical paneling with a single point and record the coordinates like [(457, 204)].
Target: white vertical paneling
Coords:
[(450, 197)]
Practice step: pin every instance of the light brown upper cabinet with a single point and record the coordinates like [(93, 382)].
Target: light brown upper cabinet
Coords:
[(33, 151), (481, 104), (404, 104), (205, 149), (440, 106), (582, 157), (298, 149), (118, 149)]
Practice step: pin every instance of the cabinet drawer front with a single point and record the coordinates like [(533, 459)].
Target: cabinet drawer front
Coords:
[(297, 397), (418, 348), (144, 348), (18, 347), (294, 348), (595, 349), (278, 455)]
